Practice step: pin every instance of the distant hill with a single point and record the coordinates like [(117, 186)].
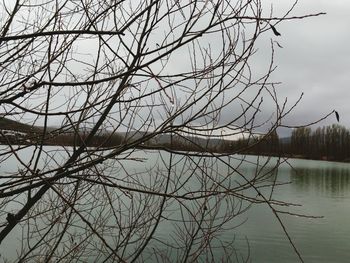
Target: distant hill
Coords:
[(11, 125), (18, 132), (285, 140)]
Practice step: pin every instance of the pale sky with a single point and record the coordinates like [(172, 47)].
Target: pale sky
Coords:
[(315, 60)]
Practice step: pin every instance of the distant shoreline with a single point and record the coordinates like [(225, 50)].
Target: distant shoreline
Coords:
[(300, 157), (16, 133), (184, 151)]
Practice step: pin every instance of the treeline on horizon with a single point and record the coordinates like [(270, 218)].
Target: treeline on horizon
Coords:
[(63, 139), (325, 143)]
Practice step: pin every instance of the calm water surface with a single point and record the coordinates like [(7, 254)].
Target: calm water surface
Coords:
[(322, 188)]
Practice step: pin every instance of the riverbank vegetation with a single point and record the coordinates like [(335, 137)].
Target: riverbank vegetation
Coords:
[(331, 143)]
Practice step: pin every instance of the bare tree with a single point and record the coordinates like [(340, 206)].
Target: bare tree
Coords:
[(148, 77)]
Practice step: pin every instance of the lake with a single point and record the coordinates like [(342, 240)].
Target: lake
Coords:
[(321, 188)]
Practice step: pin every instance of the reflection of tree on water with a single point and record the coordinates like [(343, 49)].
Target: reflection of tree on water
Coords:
[(328, 180)]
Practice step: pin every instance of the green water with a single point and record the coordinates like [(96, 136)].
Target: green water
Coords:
[(323, 189), (316, 188)]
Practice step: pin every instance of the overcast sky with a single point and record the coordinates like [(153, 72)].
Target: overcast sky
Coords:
[(315, 60)]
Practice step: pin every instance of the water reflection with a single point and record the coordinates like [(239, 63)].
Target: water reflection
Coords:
[(333, 181)]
